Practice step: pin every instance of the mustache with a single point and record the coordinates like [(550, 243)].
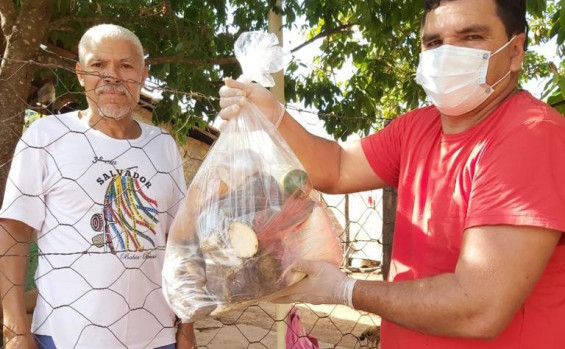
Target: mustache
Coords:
[(110, 87)]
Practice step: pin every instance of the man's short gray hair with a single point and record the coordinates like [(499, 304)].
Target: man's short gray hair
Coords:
[(107, 31)]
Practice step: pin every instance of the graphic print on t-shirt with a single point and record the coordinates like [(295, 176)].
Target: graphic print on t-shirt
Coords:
[(129, 216)]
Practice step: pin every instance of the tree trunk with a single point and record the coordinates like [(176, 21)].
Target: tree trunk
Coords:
[(22, 36)]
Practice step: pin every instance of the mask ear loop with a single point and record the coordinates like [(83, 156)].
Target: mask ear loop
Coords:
[(497, 51), (499, 80), (504, 46)]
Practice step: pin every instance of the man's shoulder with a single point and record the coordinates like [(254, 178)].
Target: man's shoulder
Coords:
[(424, 113), (526, 102), (55, 119), (51, 125), (428, 115), (156, 135), (525, 109), (151, 129)]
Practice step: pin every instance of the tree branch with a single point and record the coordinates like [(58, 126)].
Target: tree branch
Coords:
[(191, 61), (55, 57), (65, 54), (7, 17), (328, 32)]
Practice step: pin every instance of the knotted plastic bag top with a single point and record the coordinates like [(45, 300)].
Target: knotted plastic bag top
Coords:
[(259, 55)]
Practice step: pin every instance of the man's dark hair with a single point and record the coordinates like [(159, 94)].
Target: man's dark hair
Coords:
[(511, 12)]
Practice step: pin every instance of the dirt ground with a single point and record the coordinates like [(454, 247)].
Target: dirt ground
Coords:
[(336, 327)]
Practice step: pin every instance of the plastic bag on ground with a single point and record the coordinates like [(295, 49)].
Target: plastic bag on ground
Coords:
[(250, 213), (296, 336)]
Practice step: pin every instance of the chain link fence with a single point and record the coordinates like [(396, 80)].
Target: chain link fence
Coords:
[(358, 217)]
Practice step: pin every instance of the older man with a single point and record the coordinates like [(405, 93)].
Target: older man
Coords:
[(101, 189), (479, 254)]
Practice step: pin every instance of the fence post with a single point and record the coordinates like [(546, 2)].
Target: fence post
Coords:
[(389, 217)]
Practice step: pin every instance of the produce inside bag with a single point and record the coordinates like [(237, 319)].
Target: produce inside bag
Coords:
[(250, 212)]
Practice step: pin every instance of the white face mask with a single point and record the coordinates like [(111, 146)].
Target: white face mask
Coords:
[(454, 77)]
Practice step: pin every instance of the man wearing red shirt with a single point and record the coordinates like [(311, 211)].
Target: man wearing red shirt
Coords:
[(479, 255)]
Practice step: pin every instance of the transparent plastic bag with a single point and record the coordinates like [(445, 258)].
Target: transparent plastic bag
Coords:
[(250, 213)]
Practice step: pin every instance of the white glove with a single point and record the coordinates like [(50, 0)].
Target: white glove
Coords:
[(324, 284), (235, 94)]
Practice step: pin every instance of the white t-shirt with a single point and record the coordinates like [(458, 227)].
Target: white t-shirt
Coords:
[(102, 207)]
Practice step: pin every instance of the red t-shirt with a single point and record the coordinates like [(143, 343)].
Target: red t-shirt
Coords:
[(508, 169)]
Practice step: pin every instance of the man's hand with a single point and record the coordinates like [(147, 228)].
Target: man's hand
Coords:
[(324, 284), (234, 95)]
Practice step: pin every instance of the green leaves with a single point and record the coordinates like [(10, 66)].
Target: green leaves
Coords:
[(381, 45), (536, 7), (362, 74)]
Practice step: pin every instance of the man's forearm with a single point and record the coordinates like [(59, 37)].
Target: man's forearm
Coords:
[(185, 336), (497, 269), (14, 250), (13, 295), (435, 306)]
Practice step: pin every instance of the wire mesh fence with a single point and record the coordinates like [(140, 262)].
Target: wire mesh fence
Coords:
[(128, 206)]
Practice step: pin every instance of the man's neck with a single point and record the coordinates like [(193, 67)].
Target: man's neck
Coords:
[(461, 123), (123, 128)]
